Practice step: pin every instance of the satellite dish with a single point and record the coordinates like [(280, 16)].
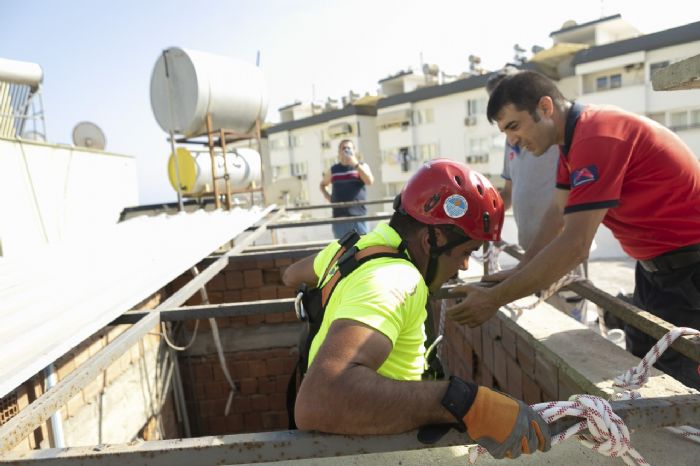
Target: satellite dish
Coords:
[(569, 23), (86, 134)]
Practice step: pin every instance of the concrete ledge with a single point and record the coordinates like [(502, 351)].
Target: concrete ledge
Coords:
[(588, 359), (682, 75)]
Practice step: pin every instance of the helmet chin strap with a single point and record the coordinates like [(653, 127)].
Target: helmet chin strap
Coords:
[(436, 251)]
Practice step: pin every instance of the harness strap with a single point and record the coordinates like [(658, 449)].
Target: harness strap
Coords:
[(356, 259)]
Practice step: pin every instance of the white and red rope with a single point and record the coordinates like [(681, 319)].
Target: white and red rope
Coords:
[(627, 384), (607, 432)]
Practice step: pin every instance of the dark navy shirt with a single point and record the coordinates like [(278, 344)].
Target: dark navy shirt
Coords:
[(347, 186)]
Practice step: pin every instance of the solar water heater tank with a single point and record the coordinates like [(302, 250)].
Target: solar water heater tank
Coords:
[(242, 164), (195, 83)]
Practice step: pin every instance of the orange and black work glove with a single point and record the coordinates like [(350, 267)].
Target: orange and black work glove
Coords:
[(506, 427)]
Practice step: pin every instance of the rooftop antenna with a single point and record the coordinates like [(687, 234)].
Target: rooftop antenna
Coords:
[(87, 134)]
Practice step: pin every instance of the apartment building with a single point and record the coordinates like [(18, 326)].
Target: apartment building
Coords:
[(418, 117), (619, 73), (447, 120), (305, 144)]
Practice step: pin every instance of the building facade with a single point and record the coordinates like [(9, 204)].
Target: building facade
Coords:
[(417, 117)]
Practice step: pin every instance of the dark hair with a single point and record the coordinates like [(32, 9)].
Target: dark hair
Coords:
[(524, 90), (497, 76), (344, 141), (407, 227)]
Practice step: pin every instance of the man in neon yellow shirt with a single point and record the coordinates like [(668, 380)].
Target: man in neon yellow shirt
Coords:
[(366, 361)]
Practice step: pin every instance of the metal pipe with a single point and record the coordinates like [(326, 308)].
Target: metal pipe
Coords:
[(328, 221), (57, 437)]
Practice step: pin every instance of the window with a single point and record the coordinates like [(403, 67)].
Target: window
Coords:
[(299, 169), (405, 159), (657, 66), (423, 117), (601, 83), (615, 81), (479, 145), (475, 107), (427, 151), (477, 158), (280, 171), (695, 118), (294, 141), (279, 143), (679, 120)]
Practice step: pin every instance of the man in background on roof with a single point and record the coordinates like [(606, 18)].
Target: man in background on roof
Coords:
[(366, 362), (348, 179), (626, 171), (529, 187)]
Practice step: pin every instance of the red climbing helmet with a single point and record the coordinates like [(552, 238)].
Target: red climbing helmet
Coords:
[(444, 192)]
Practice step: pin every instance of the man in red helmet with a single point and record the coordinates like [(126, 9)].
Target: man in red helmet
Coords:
[(365, 363)]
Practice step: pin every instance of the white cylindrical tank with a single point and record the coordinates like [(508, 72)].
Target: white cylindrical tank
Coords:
[(21, 72), (243, 165), (232, 91)]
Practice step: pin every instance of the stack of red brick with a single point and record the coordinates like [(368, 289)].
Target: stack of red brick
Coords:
[(260, 376), (495, 356)]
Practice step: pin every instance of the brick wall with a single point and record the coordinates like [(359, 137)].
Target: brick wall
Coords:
[(260, 375), (499, 355)]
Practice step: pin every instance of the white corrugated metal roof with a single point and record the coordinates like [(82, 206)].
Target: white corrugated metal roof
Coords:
[(57, 297)]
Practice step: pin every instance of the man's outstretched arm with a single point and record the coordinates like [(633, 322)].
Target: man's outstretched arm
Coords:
[(343, 394)]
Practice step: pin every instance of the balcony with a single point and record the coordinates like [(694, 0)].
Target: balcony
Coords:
[(631, 98)]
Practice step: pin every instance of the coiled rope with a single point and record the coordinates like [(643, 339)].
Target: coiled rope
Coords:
[(626, 385), (608, 434)]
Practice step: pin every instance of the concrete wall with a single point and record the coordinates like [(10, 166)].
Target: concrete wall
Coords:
[(51, 191)]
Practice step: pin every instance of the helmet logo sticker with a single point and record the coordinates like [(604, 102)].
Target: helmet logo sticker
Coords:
[(455, 206)]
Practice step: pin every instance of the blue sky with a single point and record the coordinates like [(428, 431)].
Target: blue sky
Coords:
[(97, 55)]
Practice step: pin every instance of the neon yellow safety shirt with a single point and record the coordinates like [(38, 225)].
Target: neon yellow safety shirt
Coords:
[(385, 293)]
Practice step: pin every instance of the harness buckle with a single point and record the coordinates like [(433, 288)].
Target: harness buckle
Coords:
[(299, 307)]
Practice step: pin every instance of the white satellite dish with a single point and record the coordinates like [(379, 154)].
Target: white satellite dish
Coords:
[(86, 134)]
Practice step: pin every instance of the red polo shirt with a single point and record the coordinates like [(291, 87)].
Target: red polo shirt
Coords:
[(639, 170)]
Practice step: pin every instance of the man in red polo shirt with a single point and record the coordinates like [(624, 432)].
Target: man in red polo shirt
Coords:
[(628, 172)]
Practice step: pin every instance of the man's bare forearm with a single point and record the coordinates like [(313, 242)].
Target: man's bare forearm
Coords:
[(360, 401), (553, 262)]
